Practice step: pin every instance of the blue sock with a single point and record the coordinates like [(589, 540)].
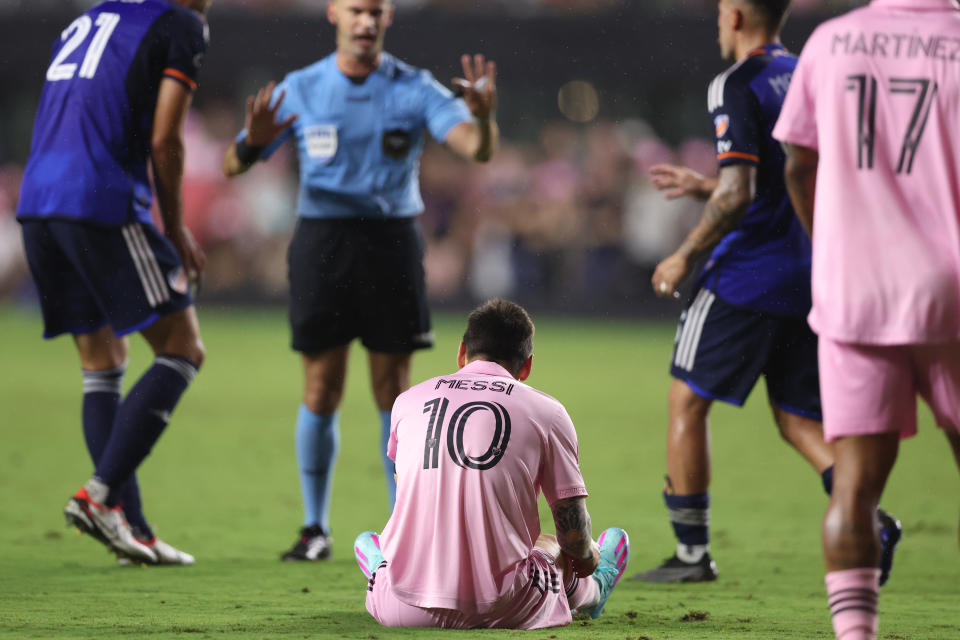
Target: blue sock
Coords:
[(827, 478), (141, 418), (389, 469), (129, 497), (318, 441), (101, 398), (690, 517)]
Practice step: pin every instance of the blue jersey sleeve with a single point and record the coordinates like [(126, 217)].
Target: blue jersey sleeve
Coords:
[(737, 122), (185, 37), (442, 110)]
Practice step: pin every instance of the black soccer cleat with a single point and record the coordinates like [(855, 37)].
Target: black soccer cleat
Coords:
[(890, 533), (312, 545), (674, 569)]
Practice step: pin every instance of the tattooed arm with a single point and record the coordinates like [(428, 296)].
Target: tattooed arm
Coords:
[(735, 190), (574, 533)]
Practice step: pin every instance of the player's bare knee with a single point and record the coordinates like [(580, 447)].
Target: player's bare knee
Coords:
[(196, 352), (833, 522), (785, 430), (385, 395), (186, 345), (322, 399), (685, 405)]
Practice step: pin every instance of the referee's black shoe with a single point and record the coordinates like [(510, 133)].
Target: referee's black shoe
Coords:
[(313, 544), (674, 569)]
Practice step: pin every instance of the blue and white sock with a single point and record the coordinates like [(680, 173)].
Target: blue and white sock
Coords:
[(141, 418), (690, 517), (317, 442), (101, 398), (389, 468)]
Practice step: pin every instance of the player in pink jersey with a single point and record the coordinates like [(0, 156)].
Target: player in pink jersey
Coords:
[(871, 123), (473, 451)]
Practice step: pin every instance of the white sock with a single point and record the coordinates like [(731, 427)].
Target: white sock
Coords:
[(97, 490), (691, 553)]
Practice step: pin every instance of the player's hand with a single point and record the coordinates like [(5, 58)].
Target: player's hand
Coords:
[(193, 257), (669, 274), (680, 180), (583, 567), (478, 85), (261, 120)]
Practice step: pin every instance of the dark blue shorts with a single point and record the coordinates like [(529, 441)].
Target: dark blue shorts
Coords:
[(91, 276), (353, 277), (721, 350)]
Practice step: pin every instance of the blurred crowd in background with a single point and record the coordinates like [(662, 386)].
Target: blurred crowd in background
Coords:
[(517, 7), (566, 220), (564, 217)]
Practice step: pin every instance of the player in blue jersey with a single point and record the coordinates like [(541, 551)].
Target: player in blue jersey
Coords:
[(117, 90), (748, 316), (359, 119)]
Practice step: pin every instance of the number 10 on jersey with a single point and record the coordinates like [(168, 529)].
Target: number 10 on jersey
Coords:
[(437, 408)]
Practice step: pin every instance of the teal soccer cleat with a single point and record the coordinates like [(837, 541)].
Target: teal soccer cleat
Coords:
[(366, 548), (614, 555)]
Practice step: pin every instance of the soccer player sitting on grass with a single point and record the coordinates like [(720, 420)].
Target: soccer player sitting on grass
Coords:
[(473, 450)]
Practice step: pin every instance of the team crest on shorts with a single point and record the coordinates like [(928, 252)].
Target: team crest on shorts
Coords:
[(321, 141), (177, 279), (721, 124)]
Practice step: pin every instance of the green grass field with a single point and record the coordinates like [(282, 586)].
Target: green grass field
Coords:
[(222, 484)]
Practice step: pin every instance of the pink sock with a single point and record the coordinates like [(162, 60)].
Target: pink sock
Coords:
[(852, 595), (582, 592)]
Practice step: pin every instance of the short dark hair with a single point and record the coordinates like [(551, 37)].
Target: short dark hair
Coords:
[(772, 12), (501, 331)]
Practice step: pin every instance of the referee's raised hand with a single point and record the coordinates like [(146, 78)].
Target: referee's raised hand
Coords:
[(261, 120), (478, 85)]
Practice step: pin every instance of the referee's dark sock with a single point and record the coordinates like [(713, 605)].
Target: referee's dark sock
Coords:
[(101, 398), (690, 517), (141, 418)]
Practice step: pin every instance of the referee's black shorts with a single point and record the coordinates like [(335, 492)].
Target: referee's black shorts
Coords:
[(357, 277)]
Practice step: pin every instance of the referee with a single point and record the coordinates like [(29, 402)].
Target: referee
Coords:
[(356, 258)]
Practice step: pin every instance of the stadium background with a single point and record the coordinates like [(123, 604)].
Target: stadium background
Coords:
[(593, 92)]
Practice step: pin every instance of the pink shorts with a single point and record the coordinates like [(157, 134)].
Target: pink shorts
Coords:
[(870, 389), (540, 602)]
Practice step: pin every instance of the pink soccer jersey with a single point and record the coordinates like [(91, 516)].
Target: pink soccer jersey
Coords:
[(877, 93), (473, 451)]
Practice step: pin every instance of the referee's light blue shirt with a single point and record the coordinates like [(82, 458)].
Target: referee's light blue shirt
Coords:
[(359, 144)]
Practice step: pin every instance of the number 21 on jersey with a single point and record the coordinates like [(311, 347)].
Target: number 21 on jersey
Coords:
[(75, 35)]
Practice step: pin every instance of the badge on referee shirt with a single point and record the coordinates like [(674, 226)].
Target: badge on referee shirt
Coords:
[(397, 143), (321, 141)]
